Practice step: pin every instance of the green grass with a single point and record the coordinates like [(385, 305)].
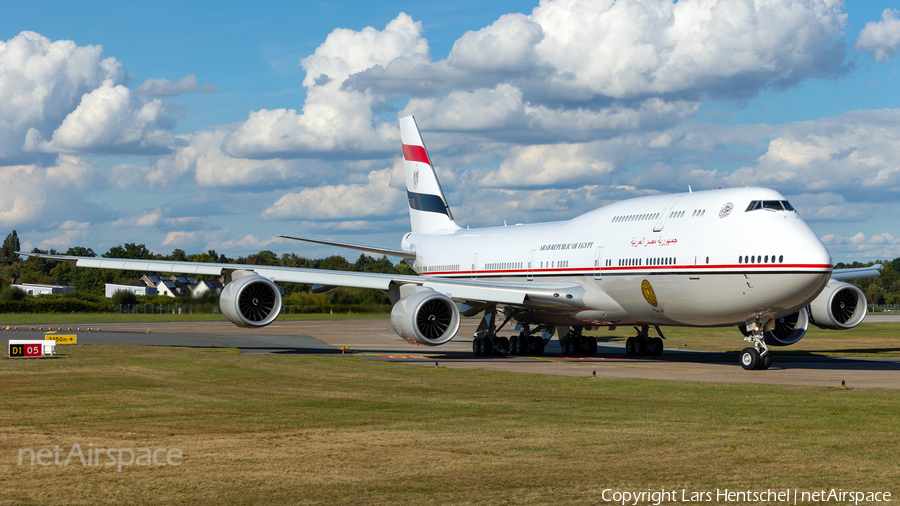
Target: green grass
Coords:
[(74, 318), (282, 429)]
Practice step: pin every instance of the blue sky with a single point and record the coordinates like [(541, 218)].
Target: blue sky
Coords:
[(203, 125)]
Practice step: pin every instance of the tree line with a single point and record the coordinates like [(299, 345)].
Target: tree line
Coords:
[(90, 283)]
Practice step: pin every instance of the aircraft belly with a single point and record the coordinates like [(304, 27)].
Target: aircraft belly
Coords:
[(712, 299)]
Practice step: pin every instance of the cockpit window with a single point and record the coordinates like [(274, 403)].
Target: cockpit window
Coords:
[(774, 205)]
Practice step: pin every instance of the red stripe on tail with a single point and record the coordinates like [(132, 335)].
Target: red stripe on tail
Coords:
[(415, 154)]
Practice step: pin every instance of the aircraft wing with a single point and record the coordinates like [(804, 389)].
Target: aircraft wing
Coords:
[(545, 294), (861, 272)]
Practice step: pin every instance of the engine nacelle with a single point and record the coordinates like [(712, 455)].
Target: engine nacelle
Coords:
[(788, 329), (840, 306), (250, 300), (424, 316)]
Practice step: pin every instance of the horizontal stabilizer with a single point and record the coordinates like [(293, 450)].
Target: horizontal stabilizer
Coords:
[(368, 249)]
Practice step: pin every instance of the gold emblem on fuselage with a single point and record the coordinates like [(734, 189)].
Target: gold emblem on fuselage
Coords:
[(649, 294)]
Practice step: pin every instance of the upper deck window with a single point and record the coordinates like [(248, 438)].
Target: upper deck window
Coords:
[(774, 205)]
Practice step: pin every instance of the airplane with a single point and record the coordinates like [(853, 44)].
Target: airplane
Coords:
[(726, 257)]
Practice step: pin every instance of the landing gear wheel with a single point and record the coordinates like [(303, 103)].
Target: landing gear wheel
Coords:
[(750, 358), (486, 348), (658, 342), (515, 345), (535, 346), (476, 346), (529, 345), (568, 348), (640, 346), (651, 347), (765, 362), (502, 346), (629, 346), (589, 347)]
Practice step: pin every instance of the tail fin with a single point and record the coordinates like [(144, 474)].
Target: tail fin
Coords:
[(428, 209)]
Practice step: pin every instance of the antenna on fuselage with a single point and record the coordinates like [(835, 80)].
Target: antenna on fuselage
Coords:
[(689, 189)]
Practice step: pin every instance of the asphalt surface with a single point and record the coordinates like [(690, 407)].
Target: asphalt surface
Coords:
[(375, 339)]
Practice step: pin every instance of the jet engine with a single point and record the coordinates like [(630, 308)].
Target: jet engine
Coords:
[(250, 300), (788, 329), (840, 306), (424, 316)]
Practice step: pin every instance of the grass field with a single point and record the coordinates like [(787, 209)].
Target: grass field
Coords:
[(288, 429)]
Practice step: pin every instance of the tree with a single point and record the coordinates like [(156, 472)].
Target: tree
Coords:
[(79, 251), (124, 298), (8, 250), (130, 250)]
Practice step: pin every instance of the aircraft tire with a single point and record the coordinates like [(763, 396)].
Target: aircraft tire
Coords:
[(591, 347), (571, 347), (629, 346), (486, 348), (476, 346), (502, 346), (659, 346), (640, 346), (515, 345), (535, 346), (765, 362), (749, 358)]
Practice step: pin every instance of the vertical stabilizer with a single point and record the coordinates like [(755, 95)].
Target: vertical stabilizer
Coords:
[(428, 209)]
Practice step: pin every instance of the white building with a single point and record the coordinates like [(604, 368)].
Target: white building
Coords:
[(204, 286), (112, 288), (36, 289)]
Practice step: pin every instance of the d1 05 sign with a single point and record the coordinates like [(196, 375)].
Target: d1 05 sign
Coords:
[(30, 349)]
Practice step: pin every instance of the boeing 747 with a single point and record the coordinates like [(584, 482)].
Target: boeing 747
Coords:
[(729, 257)]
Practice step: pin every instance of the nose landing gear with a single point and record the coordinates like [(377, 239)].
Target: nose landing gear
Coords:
[(756, 357)]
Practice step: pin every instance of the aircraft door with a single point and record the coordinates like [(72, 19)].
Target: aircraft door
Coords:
[(701, 254), (475, 266), (665, 214), (598, 263), (531, 266)]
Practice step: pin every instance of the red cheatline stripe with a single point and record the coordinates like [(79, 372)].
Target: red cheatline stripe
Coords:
[(415, 154)]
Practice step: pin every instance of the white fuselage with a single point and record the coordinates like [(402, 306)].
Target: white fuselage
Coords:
[(707, 260)]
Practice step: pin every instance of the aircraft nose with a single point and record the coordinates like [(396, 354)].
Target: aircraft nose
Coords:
[(814, 253)]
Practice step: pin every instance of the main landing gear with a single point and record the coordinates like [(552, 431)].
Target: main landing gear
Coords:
[(577, 344), (487, 343), (528, 342), (642, 345), (758, 356)]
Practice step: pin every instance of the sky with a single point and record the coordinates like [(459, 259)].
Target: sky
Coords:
[(217, 125)]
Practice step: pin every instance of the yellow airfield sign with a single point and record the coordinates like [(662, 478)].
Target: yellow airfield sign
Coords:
[(62, 339)]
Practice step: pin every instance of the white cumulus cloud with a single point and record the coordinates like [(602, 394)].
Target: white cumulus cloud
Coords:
[(42, 81), (576, 51), (333, 119), (161, 87), (375, 199), (109, 119), (44, 195), (882, 38)]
